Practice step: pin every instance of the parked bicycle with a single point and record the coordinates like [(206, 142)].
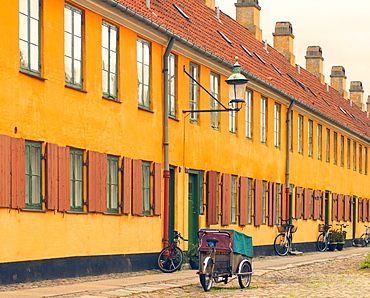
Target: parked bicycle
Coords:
[(283, 241), (171, 257), (343, 226), (324, 237), (364, 240)]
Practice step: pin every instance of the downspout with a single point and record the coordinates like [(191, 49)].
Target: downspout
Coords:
[(166, 172), (287, 171)]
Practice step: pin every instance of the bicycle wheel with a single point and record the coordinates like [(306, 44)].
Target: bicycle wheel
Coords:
[(364, 240), (281, 244), (244, 279), (170, 260), (206, 278), (321, 243)]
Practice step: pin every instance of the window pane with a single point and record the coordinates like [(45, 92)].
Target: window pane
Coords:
[(113, 39), (105, 82), (77, 72), (23, 6), (77, 24), (77, 48), (24, 54), (34, 58), (68, 20), (23, 27), (34, 31), (34, 9), (105, 37), (68, 45)]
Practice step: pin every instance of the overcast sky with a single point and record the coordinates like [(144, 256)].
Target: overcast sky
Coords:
[(340, 27)]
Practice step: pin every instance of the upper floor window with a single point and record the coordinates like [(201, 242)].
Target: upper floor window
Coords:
[(365, 160), (354, 156), (291, 131), (263, 119), (300, 134), (232, 118), (172, 85), (248, 114), (348, 153), (342, 151), (233, 199), (109, 60), (112, 184), (335, 151), (360, 158), (143, 73), (310, 138), (319, 142), (215, 90), (277, 125), (327, 147), (194, 92), (33, 175), (146, 188), (73, 46), (76, 178), (29, 36)]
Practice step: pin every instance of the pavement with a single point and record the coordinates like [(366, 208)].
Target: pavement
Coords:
[(162, 281)]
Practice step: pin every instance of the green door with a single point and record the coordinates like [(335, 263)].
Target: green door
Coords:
[(193, 196)]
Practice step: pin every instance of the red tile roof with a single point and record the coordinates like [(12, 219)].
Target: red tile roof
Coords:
[(202, 29)]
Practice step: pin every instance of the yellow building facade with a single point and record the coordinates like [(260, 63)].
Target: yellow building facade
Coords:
[(83, 138)]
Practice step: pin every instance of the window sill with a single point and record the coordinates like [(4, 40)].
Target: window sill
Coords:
[(76, 212), (111, 99), (145, 109), (75, 88), (32, 75), (173, 118), (111, 213), (33, 210)]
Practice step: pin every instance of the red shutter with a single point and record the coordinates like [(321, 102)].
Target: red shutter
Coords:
[(284, 202), (226, 199), (5, 177), (335, 206), (243, 201), (64, 184), (346, 208), (306, 203), (97, 181), (257, 202), (368, 211), (272, 204), (126, 185), (298, 196), (51, 177), (316, 204), (157, 169), (364, 209), (340, 207), (323, 205), (18, 173), (211, 198), (137, 194)]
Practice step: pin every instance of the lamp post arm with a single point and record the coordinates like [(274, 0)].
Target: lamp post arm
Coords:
[(195, 81)]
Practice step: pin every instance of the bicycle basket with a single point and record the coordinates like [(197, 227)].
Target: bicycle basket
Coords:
[(321, 228), (281, 229), (294, 229)]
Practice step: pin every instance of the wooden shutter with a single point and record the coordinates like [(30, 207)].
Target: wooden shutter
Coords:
[(298, 199), (157, 188), (340, 207), (5, 169), (257, 202), (322, 205), (272, 204), (284, 202), (243, 201), (334, 206), (126, 185), (226, 199), (51, 177), (211, 197), (137, 194), (316, 204), (368, 210), (97, 172), (18, 173), (346, 208), (364, 209), (64, 183), (306, 203)]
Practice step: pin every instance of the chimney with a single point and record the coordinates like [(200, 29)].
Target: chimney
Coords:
[(248, 15), (338, 80), (283, 40), (314, 63), (368, 104), (209, 3), (356, 94)]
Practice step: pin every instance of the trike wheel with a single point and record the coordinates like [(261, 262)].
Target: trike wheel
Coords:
[(206, 278), (322, 245), (170, 260), (245, 279), (364, 240), (281, 244)]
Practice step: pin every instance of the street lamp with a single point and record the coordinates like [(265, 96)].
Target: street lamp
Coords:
[(237, 84)]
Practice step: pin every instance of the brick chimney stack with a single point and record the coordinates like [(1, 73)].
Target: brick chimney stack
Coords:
[(283, 40), (338, 80), (248, 15), (368, 104), (357, 93), (209, 3), (314, 62)]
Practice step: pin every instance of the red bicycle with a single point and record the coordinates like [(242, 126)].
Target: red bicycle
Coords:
[(171, 257)]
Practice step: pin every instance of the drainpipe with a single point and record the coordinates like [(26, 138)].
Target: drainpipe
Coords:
[(166, 172), (287, 171)]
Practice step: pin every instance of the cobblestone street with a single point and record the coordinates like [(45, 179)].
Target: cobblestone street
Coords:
[(335, 278)]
